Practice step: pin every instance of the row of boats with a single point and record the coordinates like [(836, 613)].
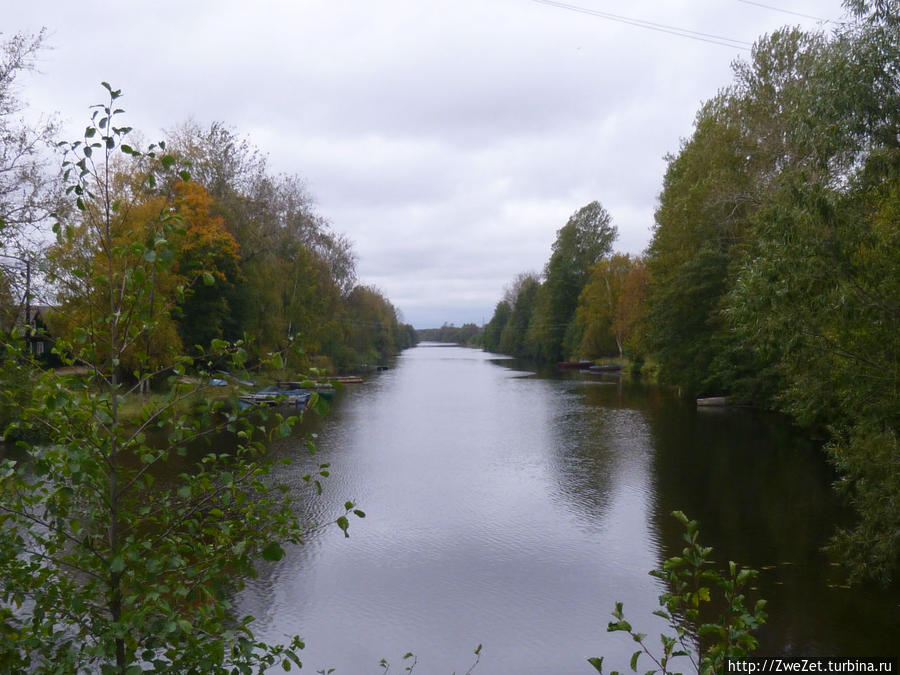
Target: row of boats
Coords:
[(294, 394)]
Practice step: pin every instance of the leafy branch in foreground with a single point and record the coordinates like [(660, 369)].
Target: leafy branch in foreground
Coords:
[(413, 661), (124, 534), (702, 642)]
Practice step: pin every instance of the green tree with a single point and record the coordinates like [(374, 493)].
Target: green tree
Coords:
[(698, 224), (521, 298), (108, 563), (777, 119), (585, 239), (494, 328), (819, 301), (372, 329), (773, 263), (296, 274)]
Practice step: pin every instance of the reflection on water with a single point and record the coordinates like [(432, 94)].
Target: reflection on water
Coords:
[(514, 510)]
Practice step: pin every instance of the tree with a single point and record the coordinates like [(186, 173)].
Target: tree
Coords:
[(372, 328), (28, 190), (779, 118), (105, 242), (819, 301), (773, 266), (108, 564), (296, 274), (699, 224), (629, 319), (585, 239), (494, 329), (521, 296), (206, 252), (601, 334)]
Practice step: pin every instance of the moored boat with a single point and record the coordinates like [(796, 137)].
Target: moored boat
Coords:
[(275, 395), (323, 389), (608, 368), (574, 365), (712, 401)]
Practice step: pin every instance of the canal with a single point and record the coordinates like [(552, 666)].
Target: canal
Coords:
[(513, 510)]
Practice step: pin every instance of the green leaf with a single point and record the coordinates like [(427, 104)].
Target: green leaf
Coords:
[(597, 662), (167, 161), (117, 564), (273, 552), (208, 279), (634, 660), (344, 524)]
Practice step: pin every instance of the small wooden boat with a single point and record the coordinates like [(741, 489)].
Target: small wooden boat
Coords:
[(712, 401), (346, 379), (609, 368)]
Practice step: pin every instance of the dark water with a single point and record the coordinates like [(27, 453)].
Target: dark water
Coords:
[(513, 511)]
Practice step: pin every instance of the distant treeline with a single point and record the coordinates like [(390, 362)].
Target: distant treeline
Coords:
[(468, 334), (773, 274)]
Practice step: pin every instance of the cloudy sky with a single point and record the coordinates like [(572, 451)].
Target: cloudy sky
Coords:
[(449, 139)]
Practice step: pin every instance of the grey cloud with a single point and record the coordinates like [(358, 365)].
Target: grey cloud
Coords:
[(449, 139)]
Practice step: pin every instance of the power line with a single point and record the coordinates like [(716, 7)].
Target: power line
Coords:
[(650, 25), (785, 11)]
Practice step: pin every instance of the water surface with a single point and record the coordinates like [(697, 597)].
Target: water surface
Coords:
[(513, 511)]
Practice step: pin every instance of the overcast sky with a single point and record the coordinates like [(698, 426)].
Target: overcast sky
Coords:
[(449, 139)]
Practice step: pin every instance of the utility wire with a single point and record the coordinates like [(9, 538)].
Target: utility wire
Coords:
[(650, 25), (785, 11)]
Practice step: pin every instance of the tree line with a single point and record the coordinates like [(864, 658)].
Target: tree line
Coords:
[(773, 272), (248, 256), (468, 334)]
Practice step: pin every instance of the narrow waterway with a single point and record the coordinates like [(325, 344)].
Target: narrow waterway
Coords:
[(513, 511)]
